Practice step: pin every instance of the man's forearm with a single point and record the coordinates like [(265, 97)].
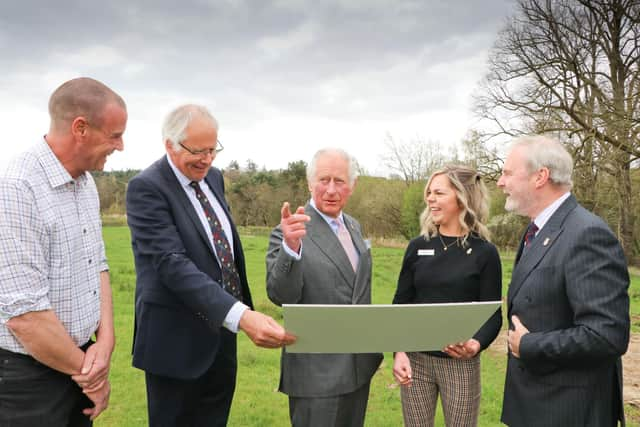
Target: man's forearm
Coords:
[(44, 337), (106, 333)]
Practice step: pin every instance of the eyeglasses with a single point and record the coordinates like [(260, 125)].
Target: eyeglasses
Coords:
[(206, 152)]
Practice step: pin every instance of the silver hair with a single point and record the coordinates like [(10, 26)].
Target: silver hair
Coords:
[(353, 166), (542, 151), (174, 128)]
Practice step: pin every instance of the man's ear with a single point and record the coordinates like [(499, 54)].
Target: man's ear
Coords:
[(79, 127), (542, 177)]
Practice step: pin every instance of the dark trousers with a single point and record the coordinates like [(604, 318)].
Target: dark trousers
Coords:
[(204, 401), (346, 410), (32, 394)]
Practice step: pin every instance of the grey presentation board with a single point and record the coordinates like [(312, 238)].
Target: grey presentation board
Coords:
[(379, 328)]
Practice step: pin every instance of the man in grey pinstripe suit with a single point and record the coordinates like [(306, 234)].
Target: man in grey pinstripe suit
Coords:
[(568, 302), (309, 263)]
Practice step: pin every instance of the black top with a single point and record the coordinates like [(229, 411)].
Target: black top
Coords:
[(431, 274)]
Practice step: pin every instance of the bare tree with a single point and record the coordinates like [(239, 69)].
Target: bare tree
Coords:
[(482, 157), (573, 67), (412, 160)]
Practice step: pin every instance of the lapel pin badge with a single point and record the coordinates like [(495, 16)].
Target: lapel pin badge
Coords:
[(469, 251), (546, 242)]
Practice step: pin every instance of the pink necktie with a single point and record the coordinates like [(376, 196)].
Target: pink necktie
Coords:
[(347, 244)]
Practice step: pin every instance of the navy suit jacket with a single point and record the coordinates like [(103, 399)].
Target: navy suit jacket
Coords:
[(570, 289), (180, 305)]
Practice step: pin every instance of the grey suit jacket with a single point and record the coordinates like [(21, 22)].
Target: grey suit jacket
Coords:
[(570, 289), (322, 276)]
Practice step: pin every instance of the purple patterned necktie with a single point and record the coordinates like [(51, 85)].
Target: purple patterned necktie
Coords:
[(530, 234), (230, 277)]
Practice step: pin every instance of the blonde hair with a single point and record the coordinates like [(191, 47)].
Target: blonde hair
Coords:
[(473, 200)]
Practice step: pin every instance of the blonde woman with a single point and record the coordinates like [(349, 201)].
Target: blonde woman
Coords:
[(451, 261)]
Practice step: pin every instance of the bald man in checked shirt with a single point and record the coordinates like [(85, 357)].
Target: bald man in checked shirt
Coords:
[(54, 281)]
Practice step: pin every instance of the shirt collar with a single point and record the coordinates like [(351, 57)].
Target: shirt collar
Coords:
[(184, 181), (544, 216), (56, 173), (327, 218)]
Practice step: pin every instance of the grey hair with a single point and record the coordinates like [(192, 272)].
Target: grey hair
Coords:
[(353, 165), (174, 128), (542, 151)]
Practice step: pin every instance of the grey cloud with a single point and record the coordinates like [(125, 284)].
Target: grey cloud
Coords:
[(336, 58)]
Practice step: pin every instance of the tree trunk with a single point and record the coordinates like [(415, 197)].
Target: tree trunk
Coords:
[(626, 216)]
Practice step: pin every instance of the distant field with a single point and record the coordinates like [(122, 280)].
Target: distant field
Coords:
[(257, 402)]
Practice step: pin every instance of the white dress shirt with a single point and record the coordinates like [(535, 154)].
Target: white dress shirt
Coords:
[(544, 216), (232, 319)]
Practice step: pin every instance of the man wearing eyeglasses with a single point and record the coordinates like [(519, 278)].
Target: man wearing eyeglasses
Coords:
[(192, 294)]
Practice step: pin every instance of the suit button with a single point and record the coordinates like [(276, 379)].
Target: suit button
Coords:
[(528, 298)]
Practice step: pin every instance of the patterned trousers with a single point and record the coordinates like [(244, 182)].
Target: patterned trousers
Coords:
[(457, 382)]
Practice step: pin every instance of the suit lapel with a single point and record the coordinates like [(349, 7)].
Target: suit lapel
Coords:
[(219, 194), (326, 240), (183, 200), (217, 191), (238, 254), (520, 249), (548, 235), (360, 286), (357, 239)]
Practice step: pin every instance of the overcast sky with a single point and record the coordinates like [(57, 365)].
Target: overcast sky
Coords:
[(283, 78)]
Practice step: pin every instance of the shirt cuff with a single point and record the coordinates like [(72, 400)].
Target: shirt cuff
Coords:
[(232, 319), (291, 252)]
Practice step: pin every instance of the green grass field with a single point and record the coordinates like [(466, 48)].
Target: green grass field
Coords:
[(257, 402)]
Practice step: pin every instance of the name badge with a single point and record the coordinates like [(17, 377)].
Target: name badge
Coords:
[(426, 252)]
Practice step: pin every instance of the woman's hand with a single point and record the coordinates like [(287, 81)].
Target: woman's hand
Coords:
[(463, 350), (402, 368)]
